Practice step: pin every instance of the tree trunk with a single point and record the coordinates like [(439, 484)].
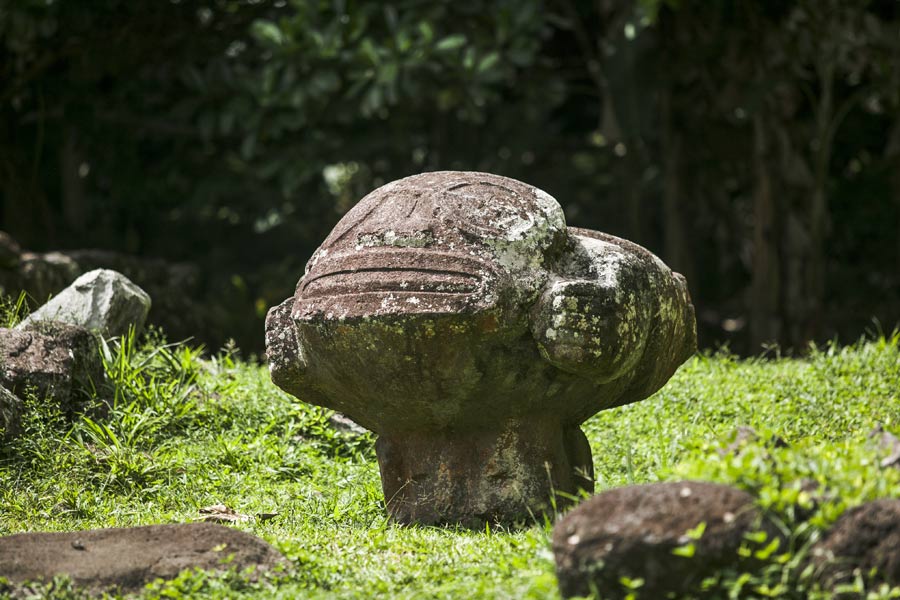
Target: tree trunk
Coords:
[(25, 212), (892, 155), (765, 321), (17, 218), (74, 205), (818, 212), (676, 252)]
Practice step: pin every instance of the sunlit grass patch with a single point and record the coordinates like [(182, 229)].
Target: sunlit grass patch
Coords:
[(182, 432)]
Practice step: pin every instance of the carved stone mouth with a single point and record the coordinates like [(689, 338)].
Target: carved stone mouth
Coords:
[(340, 283), (411, 280)]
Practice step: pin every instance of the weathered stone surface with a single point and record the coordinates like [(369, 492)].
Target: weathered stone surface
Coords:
[(864, 538), (102, 300), (127, 559), (632, 532), (486, 475), (10, 414), (51, 359), (457, 316)]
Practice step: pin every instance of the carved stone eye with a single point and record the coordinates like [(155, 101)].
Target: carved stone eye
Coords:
[(485, 209)]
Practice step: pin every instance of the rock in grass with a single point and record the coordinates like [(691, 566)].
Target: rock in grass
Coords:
[(669, 535), (346, 425), (10, 413), (743, 436), (864, 540), (127, 559), (887, 444), (102, 300), (458, 317), (10, 251), (52, 360)]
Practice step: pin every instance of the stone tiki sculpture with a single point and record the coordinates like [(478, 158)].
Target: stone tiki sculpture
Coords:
[(455, 315)]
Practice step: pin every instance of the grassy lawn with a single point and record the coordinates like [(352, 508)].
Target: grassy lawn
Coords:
[(187, 432)]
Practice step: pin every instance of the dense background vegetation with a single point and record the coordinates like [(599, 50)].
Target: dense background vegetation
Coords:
[(754, 145)]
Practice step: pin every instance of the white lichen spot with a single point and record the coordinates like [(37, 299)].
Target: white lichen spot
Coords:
[(522, 243), (413, 239)]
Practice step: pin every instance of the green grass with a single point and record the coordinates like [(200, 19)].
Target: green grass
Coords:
[(185, 432)]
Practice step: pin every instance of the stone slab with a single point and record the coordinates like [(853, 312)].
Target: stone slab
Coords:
[(128, 558)]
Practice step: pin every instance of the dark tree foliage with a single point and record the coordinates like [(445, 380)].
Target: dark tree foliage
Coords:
[(754, 145)]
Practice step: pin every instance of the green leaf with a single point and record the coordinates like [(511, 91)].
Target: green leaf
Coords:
[(766, 552), (686, 551), (697, 532), (631, 584), (451, 42), (388, 72), (369, 51), (469, 59), (488, 62), (403, 41), (267, 32), (756, 536), (426, 30)]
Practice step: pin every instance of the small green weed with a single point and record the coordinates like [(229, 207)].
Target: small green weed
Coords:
[(13, 310)]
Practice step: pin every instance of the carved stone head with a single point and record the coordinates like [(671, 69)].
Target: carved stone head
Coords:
[(437, 243), (455, 314)]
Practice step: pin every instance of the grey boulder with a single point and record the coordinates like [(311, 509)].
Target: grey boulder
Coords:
[(102, 300)]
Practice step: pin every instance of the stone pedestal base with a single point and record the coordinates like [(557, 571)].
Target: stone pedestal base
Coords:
[(507, 475)]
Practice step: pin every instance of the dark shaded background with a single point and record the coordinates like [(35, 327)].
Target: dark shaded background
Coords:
[(753, 145)]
